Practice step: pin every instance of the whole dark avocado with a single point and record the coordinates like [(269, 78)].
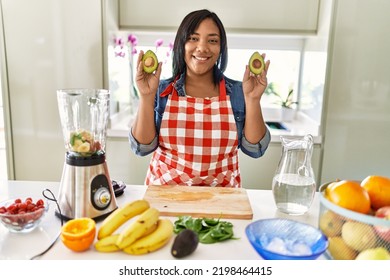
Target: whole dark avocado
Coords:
[(150, 61), (256, 63), (185, 243)]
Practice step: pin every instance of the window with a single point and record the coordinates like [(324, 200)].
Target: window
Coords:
[(285, 54), (283, 72), (312, 85), (122, 57)]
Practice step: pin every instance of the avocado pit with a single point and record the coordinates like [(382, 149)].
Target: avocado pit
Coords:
[(256, 63), (149, 62)]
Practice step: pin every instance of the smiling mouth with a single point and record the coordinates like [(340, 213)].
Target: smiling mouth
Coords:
[(201, 58)]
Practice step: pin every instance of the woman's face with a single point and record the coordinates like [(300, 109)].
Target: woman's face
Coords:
[(202, 48)]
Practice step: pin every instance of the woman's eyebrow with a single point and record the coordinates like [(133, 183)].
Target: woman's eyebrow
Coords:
[(210, 35)]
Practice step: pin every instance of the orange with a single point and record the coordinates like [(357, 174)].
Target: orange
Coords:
[(349, 195), (78, 234), (378, 188)]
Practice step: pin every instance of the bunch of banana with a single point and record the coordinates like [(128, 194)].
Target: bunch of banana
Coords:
[(153, 241), (146, 234), (120, 216)]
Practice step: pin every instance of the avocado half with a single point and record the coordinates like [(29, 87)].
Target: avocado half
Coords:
[(256, 63), (150, 61)]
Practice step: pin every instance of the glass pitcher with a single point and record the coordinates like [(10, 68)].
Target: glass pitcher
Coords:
[(293, 185)]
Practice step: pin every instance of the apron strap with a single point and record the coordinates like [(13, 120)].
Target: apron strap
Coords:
[(169, 89), (222, 89)]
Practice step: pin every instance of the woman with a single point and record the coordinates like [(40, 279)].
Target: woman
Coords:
[(196, 121)]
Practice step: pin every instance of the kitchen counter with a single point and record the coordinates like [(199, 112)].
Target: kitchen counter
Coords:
[(299, 126), (24, 246)]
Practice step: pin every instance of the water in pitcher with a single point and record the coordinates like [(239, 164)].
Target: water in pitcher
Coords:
[(293, 185), (293, 193)]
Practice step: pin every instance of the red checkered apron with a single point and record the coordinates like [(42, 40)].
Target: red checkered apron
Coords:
[(198, 143)]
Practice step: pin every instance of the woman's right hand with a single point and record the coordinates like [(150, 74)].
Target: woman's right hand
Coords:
[(147, 84), (143, 128)]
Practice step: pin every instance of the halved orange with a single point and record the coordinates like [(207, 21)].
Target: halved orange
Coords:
[(78, 234)]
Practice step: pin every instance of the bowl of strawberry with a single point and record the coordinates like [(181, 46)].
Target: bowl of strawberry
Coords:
[(22, 214)]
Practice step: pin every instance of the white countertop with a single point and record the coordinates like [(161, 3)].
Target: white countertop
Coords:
[(24, 246)]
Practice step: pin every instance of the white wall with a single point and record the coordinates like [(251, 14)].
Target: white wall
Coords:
[(264, 16)]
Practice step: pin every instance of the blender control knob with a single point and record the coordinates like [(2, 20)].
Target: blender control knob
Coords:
[(102, 197)]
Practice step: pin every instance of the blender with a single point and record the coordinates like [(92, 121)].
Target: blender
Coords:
[(86, 188)]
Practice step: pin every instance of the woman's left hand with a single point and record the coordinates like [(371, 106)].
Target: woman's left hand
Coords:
[(255, 85)]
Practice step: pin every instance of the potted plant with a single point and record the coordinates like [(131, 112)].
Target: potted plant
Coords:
[(287, 104)]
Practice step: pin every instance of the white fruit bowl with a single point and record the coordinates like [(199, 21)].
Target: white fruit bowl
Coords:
[(352, 235)]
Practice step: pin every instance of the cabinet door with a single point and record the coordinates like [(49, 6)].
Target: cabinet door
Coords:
[(357, 130), (50, 44), (285, 16)]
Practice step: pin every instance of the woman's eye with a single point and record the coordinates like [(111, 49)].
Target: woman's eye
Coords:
[(213, 41), (192, 39)]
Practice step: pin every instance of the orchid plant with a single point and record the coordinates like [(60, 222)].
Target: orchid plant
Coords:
[(129, 47)]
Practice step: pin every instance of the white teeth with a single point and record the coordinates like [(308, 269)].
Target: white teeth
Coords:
[(200, 58)]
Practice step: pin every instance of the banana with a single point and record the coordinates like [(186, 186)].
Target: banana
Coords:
[(150, 230), (84, 148), (138, 228), (107, 244), (154, 241), (121, 215)]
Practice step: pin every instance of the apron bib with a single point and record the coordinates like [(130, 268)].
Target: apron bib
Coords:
[(198, 143)]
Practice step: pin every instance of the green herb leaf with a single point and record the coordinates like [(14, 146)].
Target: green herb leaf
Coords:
[(209, 230)]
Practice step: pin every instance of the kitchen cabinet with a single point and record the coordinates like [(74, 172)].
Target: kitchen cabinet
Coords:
[(50, 44), (357, 115), (264, 16)]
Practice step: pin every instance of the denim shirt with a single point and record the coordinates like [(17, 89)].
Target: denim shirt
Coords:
[(234, 90)]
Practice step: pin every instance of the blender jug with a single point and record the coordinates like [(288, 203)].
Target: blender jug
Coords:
[(84, 117), (86, 188), (293, 185)]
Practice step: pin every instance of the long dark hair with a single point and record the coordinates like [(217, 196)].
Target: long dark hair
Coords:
[(187, 27)]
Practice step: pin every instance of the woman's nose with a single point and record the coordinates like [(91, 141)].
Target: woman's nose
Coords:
[(202, 46)]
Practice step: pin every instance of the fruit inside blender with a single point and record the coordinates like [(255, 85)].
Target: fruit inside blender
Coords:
[(83, 142)]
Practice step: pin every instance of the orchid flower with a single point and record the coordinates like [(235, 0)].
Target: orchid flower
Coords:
[(159, 43), (118, 45)]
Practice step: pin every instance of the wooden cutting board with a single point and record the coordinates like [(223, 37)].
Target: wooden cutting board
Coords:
[(210, 202)]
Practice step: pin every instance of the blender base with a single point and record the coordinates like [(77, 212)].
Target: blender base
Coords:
[(86, 191)]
